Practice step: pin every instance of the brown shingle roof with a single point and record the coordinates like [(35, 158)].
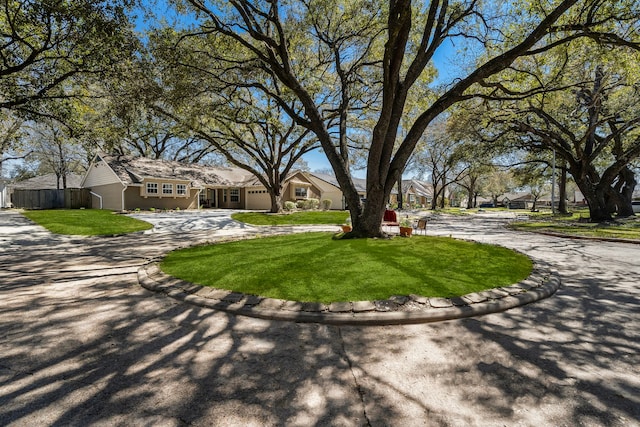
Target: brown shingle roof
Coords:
[(360, 184), (47, 182), (133, 170)]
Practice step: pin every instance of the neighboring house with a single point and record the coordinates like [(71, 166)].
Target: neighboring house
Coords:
[(414, 193), (525, 200), (47, 181), (42, 182), (545, 200), (127, 183), (423, 192), (516, 200), (327, 187), (482, 202)]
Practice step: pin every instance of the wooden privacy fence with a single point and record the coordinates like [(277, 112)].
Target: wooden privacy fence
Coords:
[(69, 198), (76, 198)]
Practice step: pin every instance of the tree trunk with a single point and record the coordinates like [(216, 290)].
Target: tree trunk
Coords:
[(368, 221), (471, 192), (444, 192), (276, 201), (434, 198), (596, 198), (622, 193), (400, 195), (562, 203)]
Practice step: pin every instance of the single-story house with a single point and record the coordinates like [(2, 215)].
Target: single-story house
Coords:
[(47, 181), (415, 193), (127, 183), (518, 200), (525, 200)]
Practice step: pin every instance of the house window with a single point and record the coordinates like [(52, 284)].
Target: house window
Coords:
[(152, 188), (301, 192), (167, 188), (234, 195), (181, 189)]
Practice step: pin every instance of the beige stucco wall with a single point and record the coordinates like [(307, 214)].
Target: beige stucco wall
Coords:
[(337, 202), (329, 191), (289, 190), (111, 196), (134, 200)]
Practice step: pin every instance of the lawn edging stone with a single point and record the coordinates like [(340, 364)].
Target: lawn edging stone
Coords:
[(541, 283)]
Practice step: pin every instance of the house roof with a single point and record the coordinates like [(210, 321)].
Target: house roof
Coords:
[(421, 188), (134, 170), (360, 184), (516, 196), (47, 182)]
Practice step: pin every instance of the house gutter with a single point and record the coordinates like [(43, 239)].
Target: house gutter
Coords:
[(98, 196), (123, 190)]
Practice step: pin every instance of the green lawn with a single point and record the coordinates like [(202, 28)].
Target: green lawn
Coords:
[(295, 218), (314, 267), (86, 222), (623, 230), (573, 225)]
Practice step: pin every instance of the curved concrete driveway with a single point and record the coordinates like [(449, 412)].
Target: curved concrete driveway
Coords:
[(82, 344), (216, 221)]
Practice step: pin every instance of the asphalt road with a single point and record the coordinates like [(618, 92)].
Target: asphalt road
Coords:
[(81, 343)]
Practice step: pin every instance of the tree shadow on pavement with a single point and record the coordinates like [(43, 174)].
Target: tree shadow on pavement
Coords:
[(571, 359), (94, 351), (574, 357), (82, 343)]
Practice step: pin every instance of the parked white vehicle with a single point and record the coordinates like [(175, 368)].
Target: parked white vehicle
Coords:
[(636, 206)]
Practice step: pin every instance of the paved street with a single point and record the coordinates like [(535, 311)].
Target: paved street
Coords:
[(81, 343)]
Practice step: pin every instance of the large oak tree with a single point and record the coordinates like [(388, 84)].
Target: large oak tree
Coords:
[(413, 32), (581, 102)]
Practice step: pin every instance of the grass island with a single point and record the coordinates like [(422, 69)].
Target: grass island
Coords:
[(313, 267)]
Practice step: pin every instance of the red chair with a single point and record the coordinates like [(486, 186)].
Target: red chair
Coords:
[(390, 219)]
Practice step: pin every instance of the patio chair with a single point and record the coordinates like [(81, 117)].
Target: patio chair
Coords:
[(390, 219), (422, 225)]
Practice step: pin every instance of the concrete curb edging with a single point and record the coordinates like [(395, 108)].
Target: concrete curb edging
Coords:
[(397, 310)]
